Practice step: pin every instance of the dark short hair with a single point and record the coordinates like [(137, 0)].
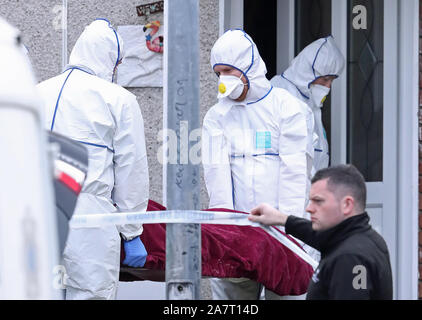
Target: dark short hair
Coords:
[(344, 180)]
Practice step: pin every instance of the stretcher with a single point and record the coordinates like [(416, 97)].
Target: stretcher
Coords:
[(228, 251)]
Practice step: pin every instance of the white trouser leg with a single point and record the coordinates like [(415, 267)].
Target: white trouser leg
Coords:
[(269, 295), (234, 289)]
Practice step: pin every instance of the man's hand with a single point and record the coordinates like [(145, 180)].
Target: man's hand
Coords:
[(135, 253), (267, 215)]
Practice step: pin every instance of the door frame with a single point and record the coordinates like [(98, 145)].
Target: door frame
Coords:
[(231, 17), (408, 152)]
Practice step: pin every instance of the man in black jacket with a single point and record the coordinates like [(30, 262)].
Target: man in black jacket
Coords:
[(355, 263)]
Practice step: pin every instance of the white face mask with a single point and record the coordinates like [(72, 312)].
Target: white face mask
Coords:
[(319, 94), (230, 86)]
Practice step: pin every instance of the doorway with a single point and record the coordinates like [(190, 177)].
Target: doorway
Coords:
[(371, 116)]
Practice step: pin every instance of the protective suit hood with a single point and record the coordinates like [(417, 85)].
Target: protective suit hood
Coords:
[(235, 48), (9, 34), (98, 49), (320, 58)]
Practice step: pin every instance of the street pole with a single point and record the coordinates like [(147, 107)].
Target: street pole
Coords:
[(181, 115)]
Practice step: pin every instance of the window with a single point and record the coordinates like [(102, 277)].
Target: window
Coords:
[(365, 91)]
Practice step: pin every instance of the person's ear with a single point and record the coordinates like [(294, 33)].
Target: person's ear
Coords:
[(347, 205)]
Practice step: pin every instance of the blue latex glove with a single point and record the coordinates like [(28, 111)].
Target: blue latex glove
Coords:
[(135, 251)]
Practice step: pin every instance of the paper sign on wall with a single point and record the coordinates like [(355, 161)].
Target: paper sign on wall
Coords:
[(141, 67)]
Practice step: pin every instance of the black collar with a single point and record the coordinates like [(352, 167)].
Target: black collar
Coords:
[(329, 239)]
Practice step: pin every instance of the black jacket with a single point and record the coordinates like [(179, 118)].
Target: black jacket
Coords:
[(355, 263)]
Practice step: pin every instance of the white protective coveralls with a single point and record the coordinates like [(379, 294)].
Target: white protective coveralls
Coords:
[(83, 104), (257, 150), (320, 58)]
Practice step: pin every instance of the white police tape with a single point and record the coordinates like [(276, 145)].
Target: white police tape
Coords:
[(185, 216)]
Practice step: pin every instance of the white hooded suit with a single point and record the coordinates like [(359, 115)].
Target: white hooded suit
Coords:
[(320, 58), (83, 104), (257, 150)]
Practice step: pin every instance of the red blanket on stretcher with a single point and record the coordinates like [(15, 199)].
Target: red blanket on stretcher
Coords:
[(229, 251)]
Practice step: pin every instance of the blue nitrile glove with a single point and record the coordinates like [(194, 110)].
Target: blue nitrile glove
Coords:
[(135, 253)]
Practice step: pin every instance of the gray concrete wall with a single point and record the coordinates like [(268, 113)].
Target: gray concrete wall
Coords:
[(40, 24), (36, 21)]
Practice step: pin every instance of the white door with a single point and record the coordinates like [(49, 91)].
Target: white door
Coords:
[(364, 130), (371, 117), (384, 107)]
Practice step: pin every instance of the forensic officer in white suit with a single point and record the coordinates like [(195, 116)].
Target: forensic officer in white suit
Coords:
[(257, 144), (309, 78), (83, 104)]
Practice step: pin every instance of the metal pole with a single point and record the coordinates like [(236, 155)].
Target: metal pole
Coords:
[(181, 94)]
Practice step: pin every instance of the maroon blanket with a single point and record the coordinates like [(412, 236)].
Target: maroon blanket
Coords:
[(228, 251)]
